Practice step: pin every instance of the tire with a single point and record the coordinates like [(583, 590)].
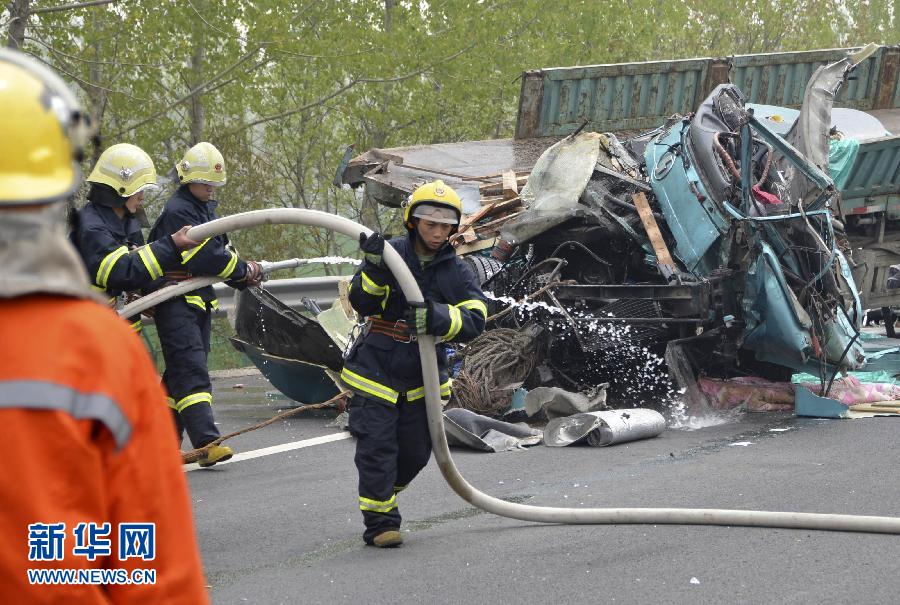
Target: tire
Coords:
[(483, 267)]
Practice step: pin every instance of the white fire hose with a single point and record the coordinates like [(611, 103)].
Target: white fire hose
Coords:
[(195, 283), (540, 514)]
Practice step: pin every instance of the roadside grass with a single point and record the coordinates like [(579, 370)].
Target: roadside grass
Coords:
[(222, 356)]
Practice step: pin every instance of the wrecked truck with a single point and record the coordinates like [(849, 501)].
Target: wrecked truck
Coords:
[(712, 239)]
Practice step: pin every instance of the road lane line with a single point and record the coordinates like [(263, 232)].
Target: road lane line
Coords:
[(277, 449)]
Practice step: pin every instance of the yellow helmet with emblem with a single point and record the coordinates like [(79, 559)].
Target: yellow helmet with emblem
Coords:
[(126, 168), (202, 163), (430, 201), (43, 131)]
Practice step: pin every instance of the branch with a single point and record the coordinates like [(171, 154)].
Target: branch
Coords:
[(66, 7), (250, 69), (190, 94), (84, 83), (292, 53), (238, 36), (291, 112), (420, 71), (92, 62), (211, 26), (345, 87)]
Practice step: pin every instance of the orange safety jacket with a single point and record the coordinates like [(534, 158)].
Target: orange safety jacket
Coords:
[(87, 438)]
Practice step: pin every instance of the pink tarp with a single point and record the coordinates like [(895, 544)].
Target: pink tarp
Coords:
[(760, 395)]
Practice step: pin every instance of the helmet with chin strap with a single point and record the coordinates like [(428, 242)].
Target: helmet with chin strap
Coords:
[(435, 202)]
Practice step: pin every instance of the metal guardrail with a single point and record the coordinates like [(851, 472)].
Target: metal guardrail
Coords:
[(323, 290)]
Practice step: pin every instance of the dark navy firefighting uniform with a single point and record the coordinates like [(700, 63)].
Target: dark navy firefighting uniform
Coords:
[(387, 411), (183, 323), (115, 255)]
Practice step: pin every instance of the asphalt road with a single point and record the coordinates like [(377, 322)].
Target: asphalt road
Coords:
[(285, 528)]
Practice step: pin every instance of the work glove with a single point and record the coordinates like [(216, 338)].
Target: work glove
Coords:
[(418, 317), (372, 247), (254, 274), (182, 241)]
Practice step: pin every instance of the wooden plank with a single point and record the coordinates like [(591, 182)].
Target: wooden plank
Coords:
[(501, 207), (469, 219), (490, 199), (495, 176), (496, 188), (876, 408), (495, 223), (482, 244), (663, 258), (510, 185), (463, 238)]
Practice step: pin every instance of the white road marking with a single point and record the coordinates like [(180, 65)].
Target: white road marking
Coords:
[(277, 449)]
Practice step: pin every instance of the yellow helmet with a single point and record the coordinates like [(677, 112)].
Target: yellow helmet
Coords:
[(126, 168), (435, 194), (43, 131), (202, 164)]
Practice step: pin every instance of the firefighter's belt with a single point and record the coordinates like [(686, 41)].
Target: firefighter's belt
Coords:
[(398, 330), (177, 275)]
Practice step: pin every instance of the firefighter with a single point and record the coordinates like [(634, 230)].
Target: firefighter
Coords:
[(183, 323), (86, 435), (387, 410), (107, 231)]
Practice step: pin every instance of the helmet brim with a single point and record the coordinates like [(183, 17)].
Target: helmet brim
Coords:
[(204, 182)]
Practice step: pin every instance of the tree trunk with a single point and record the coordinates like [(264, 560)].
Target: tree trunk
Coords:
[(98, 96), (369, 209), (18, 10), (198, 113), (198, 60)]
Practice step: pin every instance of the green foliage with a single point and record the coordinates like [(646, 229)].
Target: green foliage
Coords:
[(222, 355), (281, 88)]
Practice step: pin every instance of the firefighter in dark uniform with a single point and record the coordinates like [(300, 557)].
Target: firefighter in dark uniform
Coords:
[(107, 232), (183, 323), (387, 411)]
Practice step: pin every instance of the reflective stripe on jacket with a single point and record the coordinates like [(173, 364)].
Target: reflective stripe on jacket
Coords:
[(114, 252), (383, 367), (212, 257)]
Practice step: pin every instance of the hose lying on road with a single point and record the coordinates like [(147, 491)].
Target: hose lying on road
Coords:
[(540, 514)]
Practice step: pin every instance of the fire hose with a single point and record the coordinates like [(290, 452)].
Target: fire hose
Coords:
[(195, 283), (525, 512)]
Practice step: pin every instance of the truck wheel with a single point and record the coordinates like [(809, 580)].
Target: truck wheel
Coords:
[(483, 267)]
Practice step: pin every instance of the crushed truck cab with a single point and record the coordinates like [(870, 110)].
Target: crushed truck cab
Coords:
[(664, 199)]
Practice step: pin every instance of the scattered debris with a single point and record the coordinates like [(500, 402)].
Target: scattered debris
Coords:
[(465, 428), (554, 402), (495, 364), (600, 429)]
